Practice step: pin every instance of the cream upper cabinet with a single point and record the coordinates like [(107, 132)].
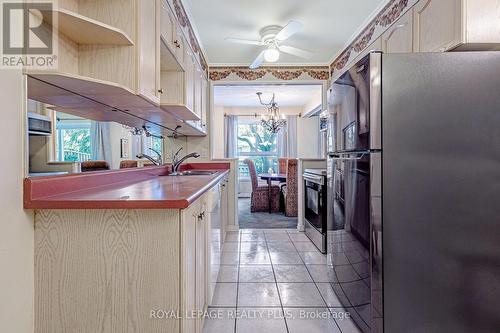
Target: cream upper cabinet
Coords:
[(200, 97), (198, 77), (181, 48), (168, 29), (171, 33), (189, 67), (437, 25), (178, 85), (443, 25), (148, 51), (204, 103), (483, 23), (399, 37)]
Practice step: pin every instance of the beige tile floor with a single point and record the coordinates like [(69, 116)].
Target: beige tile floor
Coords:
[(277, 281)]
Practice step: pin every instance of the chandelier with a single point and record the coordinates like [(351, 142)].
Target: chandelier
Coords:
[(272, 121)]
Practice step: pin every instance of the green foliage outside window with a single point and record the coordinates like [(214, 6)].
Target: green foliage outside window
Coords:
[(157, 144), (258, 144), (75, 144)]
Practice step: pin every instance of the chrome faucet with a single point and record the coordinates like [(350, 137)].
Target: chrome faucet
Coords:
[(176, 163), (156, 161)]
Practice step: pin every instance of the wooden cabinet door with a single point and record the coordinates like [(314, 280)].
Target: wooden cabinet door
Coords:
[(189, 82), (180, 47), (204, 103), (197, 90), (168, 30), (224, 208), (437, 25), (148, 51), (188, 261), (399, 37), (201, 267)]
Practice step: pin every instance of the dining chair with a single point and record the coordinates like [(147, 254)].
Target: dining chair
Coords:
[(125, 164), (290, 191), (259, 201), (282, 161), (87, 166)]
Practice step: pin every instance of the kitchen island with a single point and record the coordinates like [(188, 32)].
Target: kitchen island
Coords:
[(114, 247)]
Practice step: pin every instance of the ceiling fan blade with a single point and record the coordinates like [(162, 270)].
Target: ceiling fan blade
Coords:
[(296, 51), (258, 61), (290, 29), (244, 41)]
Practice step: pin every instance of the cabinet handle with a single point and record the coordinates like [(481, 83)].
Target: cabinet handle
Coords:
[(160, 91), (201, 216), (176, 43)]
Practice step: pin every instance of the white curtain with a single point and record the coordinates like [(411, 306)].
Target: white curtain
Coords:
[(100, 141), (287, 138), (230, 135), (136, 145)]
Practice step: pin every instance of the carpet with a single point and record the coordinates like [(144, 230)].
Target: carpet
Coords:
[(262, 220)]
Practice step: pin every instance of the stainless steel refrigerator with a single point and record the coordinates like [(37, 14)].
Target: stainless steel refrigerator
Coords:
[(414, 192)]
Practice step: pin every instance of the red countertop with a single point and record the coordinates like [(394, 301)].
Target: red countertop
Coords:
[(138, 188)]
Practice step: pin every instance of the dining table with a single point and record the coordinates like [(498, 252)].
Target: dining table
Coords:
[(270, 177)]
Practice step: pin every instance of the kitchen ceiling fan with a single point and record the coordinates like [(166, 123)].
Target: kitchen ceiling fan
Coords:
[(272, 37)]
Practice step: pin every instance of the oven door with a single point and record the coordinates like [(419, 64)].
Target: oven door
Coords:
[(313, 201)]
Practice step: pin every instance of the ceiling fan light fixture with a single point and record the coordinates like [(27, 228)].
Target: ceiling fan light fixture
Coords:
[(271, 54)]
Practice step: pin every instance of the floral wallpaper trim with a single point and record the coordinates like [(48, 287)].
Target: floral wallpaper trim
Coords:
[(388, 15), (180, 12), (279, 72)]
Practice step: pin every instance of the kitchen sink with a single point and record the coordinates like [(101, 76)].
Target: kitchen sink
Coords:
[(193, 173), (197, 173)]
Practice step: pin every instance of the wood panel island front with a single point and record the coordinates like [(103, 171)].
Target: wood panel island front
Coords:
[(127, 251)]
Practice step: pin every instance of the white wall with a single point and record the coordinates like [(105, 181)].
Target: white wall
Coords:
[(16, 225), (308, 137), (218, 130), (315, 101), (118, 132)]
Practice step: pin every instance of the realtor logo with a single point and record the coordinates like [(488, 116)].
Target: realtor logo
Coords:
[(27, 38)]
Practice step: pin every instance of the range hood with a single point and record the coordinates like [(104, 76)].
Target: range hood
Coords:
[(39, 124)]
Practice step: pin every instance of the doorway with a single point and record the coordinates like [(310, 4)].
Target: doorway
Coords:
[(259, 148)]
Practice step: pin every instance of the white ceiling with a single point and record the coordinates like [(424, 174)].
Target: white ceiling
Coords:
[(286, 95), (328, 26)]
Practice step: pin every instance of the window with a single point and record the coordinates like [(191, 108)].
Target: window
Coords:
[(153, 142), (157, 144), (73, 138), (257, 144)]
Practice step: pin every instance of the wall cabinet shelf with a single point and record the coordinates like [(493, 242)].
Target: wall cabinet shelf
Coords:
[(182, 90), (173, 83), (180, 111), (102, 101), (85, 30), (109, 93)]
